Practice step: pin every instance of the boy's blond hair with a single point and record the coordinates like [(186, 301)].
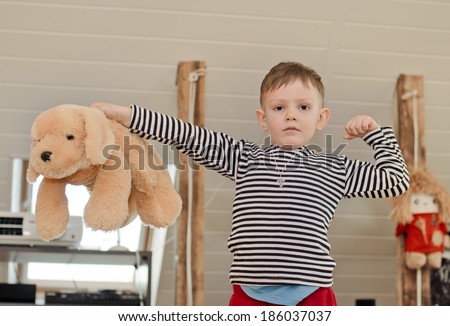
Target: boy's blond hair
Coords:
[(287, 72)]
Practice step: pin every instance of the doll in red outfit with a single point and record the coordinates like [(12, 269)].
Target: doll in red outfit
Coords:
[(422, 214)]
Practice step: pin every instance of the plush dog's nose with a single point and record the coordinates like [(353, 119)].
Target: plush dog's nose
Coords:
[(45, 156)]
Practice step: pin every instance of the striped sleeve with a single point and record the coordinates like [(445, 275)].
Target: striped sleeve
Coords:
[(214, 150), (388, 177)]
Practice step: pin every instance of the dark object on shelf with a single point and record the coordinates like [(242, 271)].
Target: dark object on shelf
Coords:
[(18, 293), (365, 302), (100, 298)]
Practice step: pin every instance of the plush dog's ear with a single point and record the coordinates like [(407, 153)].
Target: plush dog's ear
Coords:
[(32, 175), (98, 135)]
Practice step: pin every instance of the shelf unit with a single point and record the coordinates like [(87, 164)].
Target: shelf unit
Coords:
[(25, 254)]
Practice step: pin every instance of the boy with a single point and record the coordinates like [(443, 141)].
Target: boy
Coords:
[(286, 194)]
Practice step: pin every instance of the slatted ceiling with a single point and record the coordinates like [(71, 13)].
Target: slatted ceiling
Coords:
[(342, 111), (248, 56), (217, 242), (434, 144), (5, 168), (218, 224), (46, 96), (436, 92), (9, 117), (363, 206), (373, 245), (439, 164), (228, 82), (219, 107), (373, 90), (371, 225), (216, 282), (149, 51), (223, 200), (366, 265), (361, 62), (149, 23), (445, 181), (218, 221), (398, 13), (401, 39), (367, 283), (65, 74), (222, 262), (16, 145), (320, 9), (436, 117)]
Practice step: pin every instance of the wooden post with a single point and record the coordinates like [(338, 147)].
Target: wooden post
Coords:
[(197, 210), (406, 278), (406, 84)]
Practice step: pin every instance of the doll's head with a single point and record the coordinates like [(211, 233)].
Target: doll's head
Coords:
[(425, 195), (423, 203)]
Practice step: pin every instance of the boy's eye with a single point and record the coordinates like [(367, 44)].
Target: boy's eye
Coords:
[(304, 107), (278, 108)]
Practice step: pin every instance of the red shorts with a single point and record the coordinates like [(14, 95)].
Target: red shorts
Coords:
[(320, 297)]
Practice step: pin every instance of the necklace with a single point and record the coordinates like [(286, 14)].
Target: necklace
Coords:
[(280, 179)]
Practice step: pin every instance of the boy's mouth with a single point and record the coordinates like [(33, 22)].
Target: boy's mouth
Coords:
[(291, 129)]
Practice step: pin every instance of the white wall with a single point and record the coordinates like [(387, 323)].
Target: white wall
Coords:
[(80, 51)]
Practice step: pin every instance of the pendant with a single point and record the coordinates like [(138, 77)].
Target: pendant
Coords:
[(280, 181)]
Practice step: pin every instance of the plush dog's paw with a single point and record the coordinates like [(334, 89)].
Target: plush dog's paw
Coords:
[(106, 219), (158, 212), (48, 235)]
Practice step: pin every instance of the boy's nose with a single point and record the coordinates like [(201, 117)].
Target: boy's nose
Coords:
[(291, 114)]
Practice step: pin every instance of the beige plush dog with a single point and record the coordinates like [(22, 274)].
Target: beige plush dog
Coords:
[(125, 176)]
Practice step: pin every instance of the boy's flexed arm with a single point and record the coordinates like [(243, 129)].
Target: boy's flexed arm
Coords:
[(214, 150), (389, 175)]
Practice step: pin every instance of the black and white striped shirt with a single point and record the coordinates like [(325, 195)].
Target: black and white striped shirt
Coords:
[(279, 234)]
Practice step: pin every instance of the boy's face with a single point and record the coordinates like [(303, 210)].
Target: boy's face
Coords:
[(292, 114)]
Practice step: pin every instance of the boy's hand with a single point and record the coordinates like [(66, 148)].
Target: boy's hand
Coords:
[(121, 114), (359, 126)]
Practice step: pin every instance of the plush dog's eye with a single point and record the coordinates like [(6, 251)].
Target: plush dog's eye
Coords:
[(70, 136)]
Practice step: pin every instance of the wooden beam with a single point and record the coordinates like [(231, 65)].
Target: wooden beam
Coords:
[(405, 134), (197, 210), (406, 278)]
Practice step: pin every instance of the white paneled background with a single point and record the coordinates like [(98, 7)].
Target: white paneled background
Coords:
[(81, 51)]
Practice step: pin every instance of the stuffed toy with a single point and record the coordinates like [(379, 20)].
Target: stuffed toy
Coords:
[(422, 214), (125, 176)]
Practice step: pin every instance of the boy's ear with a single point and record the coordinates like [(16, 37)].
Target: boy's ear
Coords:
[(324, 116), (261, 117)]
